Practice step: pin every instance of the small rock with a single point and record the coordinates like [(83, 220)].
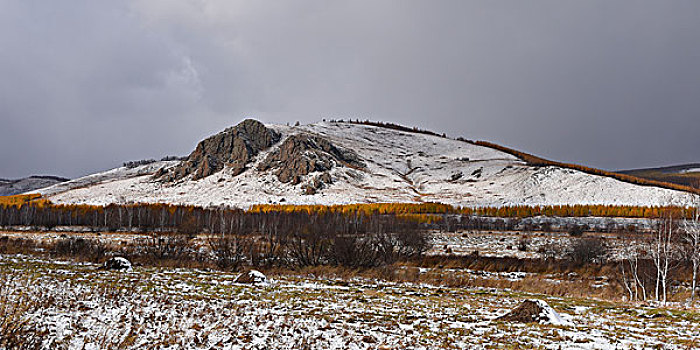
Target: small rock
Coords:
[(369, 339), (326, 178), (251, 277), (533, 311), (117, 264), (308, 190)]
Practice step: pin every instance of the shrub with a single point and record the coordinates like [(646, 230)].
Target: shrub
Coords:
[(354, 251), (137, 163), (551, 250), (229, 251), (170, 158), (79, 247), (576, 231), (523, 244), (588, 250), (164, 246)]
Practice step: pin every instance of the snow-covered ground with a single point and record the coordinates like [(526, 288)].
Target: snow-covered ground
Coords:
[(76, 306), (401, 167)]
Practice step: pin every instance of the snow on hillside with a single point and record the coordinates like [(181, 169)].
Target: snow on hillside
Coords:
[(114, 175), (11, 187), (401, 167)]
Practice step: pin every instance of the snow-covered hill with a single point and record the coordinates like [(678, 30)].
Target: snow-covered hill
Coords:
[(10, 187), (393, 166)]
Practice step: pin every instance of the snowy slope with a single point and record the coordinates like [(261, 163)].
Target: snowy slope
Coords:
[(11, 187), (401, 167)]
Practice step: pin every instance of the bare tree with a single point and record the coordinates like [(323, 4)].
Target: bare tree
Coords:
[(308, 248), (630, 268), (551, 250), (228, 250), (587, 251), (691, 237), (354, 251), (165, 246), (663, 251)]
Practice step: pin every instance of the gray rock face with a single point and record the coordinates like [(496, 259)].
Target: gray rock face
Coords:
[(302, 154), (234, 148)]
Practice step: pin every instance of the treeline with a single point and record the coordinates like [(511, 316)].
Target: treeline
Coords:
[(235, 237), (609, 211), (390, 126), (158, 217), (33, 210), (429, 212), (362, 222), (366, 209), (137, 163), (22, 199)]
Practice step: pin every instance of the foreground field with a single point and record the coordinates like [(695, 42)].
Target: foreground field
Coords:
[(62, 304)]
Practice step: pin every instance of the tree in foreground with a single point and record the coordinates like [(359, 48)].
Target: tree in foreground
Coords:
[(691, 238), (664, 250)]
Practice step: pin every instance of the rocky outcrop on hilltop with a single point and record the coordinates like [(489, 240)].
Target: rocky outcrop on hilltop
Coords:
[(302, 154), (233, 148)]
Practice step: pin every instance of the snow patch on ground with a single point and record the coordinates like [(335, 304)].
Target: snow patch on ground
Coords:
[(550, 316)]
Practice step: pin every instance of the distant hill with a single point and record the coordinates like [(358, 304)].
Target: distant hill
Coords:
[(31, 183), (340, 162), (685, 174)]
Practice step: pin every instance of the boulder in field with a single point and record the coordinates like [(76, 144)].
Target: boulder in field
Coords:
[(117, 264), (251, 277), (533, 311)]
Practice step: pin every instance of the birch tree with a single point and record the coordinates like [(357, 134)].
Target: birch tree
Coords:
[(691, 237), (630, 268), (663, 252)]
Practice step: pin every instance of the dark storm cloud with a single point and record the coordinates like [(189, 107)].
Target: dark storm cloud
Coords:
[(88, 84)]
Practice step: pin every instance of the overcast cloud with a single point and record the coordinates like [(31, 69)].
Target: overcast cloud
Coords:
[(89, 84)]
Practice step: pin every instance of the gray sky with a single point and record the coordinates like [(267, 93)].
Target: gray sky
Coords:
[(89, 84)]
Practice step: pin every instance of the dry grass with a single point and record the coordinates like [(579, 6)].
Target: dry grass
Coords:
[(190, 309), (16, 307), (552, 277)]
